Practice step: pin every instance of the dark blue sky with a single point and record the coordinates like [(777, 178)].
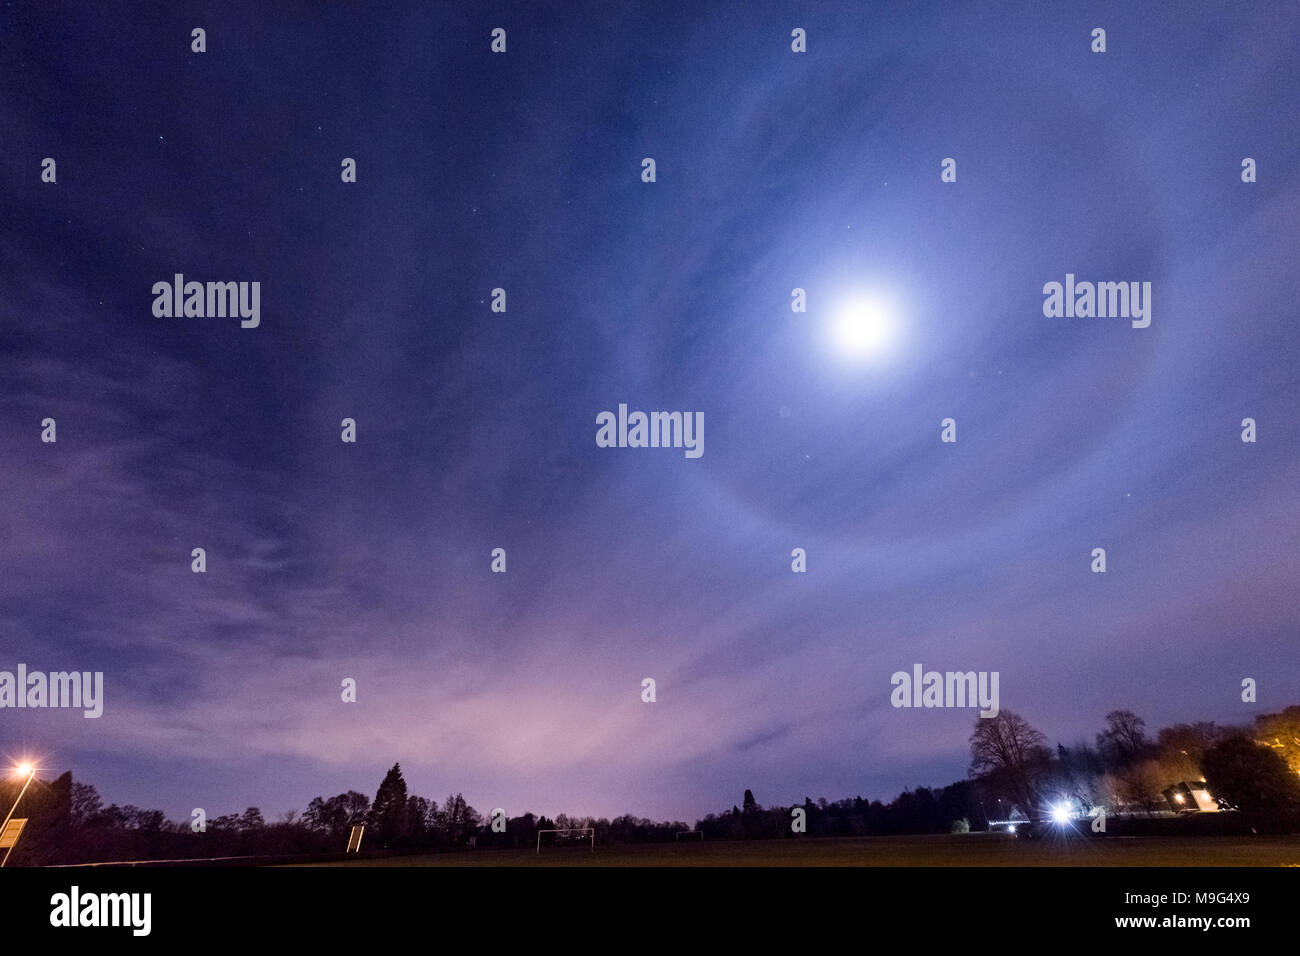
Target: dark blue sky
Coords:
[(775, 170)]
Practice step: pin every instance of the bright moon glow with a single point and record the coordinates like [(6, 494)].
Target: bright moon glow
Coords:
[(863, 327)]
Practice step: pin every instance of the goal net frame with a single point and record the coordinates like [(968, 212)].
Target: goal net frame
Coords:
[(591, 830), (682, 833)]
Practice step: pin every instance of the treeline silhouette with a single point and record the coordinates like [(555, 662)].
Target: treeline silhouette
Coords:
[(1255, 770)]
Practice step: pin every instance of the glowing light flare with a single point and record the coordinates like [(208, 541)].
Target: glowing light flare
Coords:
[(864, 326)]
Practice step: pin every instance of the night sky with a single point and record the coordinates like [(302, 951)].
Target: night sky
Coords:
[(476, 430)]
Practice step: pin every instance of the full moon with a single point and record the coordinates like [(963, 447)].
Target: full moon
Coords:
[(863, 326)]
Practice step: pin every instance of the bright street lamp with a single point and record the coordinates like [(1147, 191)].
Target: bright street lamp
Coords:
[(23, 769)]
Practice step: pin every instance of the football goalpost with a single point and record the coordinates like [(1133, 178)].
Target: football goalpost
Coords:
[(579, 839), (689, 834)]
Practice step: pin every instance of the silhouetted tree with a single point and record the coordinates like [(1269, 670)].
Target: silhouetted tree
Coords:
[(459, 820), (1282, 733), (337, 815), (417, 815), (388, 812), (251, 820), (1124, 739), (356, 806), (325, 816), (1250, 776), (1007, 749), (85, 804), (749, 815)]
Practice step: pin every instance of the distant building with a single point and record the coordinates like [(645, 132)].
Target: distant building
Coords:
[(1191, 798)]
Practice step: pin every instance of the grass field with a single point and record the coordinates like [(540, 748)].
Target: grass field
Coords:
[(971, 849)]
